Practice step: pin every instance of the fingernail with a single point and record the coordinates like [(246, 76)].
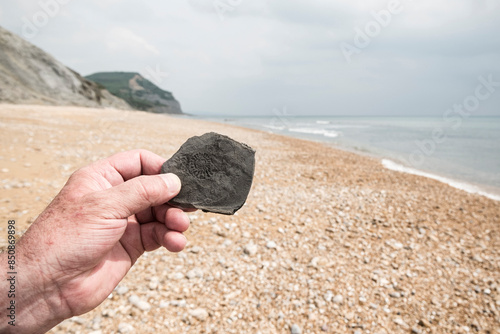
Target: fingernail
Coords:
[(173, 182)]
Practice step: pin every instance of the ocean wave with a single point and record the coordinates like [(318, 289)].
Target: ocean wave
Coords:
[(331, 134), (348, 126), (338, 126), (324, 132), (274, 127), (389, 164)]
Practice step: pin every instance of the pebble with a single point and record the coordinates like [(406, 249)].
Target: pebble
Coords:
[(194, 273), (384, 281), (401, 323), (271, 245), (121, 289), (318, 261), (295, 329), (108, 313), (250, 249), (261, 208), (96, 322), (216, 229), (177, 276), (140, 304), (397, 245), (79, 320), (66, 167), (338, 299), (200, 314), (416, 330), (394, 244), (477, 257), (125, 328), (395, 294), (153, 284), (178, 303), (195, 249)]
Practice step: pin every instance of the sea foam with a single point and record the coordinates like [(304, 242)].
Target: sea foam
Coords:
[(313, 131), (389, 164)]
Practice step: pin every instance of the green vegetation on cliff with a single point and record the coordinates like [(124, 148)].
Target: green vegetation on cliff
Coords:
[(139, 92)]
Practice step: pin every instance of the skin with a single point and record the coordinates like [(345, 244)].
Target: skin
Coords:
[(84, 243)]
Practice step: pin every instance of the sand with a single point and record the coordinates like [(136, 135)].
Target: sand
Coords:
[(328, 241)]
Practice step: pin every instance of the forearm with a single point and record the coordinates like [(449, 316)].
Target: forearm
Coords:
[(28, 302)]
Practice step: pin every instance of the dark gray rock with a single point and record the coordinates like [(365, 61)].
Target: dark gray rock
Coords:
[(216, 173)]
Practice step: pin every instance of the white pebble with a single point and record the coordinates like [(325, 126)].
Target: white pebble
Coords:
[(125, 328), (121, 289), (140, 304), (271, 245), (250, 249), (194, 273), (200, 313), (338, 299), (296, 329)]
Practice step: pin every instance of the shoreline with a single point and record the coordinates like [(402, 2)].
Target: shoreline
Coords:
[(328, 240), (457, 184), (386, 160)]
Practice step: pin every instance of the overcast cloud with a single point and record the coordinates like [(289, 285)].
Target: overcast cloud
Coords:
[(249, 57)]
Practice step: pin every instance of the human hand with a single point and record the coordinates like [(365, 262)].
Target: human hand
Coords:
[(78, 250)]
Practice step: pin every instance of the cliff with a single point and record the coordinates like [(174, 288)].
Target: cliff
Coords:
[(29, 75), (139, 92)]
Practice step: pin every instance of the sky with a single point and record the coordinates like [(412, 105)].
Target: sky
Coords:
[(308, 57)]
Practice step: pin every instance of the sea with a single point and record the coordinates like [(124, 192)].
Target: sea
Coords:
[(461, 152)]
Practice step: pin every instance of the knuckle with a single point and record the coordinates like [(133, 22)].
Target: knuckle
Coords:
[(149, 191)]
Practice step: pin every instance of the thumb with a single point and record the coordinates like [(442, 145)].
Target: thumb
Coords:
[(140, 193)]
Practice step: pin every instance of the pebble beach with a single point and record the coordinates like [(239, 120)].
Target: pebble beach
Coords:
[(328, 242)]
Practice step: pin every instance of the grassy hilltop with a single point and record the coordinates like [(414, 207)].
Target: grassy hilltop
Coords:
[(138, 91)]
